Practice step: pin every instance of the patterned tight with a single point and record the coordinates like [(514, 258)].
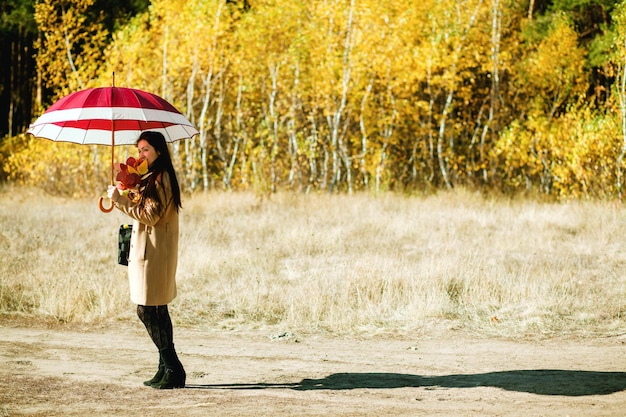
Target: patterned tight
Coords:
[(158, 324)]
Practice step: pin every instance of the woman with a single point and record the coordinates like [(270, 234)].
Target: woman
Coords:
[(154, 253)]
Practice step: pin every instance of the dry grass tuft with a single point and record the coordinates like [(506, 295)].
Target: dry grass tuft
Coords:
[(334, 263)]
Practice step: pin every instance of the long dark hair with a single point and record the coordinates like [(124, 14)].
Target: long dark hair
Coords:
[(163, 163)]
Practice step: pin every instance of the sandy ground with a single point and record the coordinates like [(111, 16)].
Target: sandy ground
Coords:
[(99, 372)]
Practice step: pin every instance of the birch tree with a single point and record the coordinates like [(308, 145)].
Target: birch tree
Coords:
[(620, 89)]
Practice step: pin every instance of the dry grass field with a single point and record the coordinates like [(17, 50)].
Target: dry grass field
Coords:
[(342, 264), (340, 305)]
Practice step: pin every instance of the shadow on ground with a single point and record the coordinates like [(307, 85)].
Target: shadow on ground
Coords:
[(539, 381)]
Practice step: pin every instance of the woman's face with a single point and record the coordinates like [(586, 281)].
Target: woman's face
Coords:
[(147, 151)]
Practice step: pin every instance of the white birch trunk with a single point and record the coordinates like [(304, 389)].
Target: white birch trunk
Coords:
[(622, 101)]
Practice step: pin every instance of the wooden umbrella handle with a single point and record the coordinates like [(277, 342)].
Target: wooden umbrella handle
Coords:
[(105, 209)]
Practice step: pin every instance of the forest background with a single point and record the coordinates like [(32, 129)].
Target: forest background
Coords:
[(501, 96)]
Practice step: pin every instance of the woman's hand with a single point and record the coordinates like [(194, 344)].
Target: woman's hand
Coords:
[(113, 193)]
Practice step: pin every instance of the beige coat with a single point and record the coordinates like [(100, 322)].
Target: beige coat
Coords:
[(153, 253)]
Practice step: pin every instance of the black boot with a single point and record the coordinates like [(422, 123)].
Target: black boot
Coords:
[(174, 375), (159, 374)]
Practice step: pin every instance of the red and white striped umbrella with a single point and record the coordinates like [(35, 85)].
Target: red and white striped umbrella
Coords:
[(110, 116)]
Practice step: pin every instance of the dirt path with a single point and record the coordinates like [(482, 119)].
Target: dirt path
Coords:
[(99, 372)]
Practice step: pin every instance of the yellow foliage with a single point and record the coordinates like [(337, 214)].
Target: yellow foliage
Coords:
[(570, 157), (554, 71), (70, 49), (340, 95), (57, 167)]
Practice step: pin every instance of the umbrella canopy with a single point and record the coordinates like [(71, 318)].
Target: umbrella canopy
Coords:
[(90, 116), (110, 116)]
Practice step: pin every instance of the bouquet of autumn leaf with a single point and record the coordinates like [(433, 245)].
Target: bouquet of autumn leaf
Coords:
[(129, 177)]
